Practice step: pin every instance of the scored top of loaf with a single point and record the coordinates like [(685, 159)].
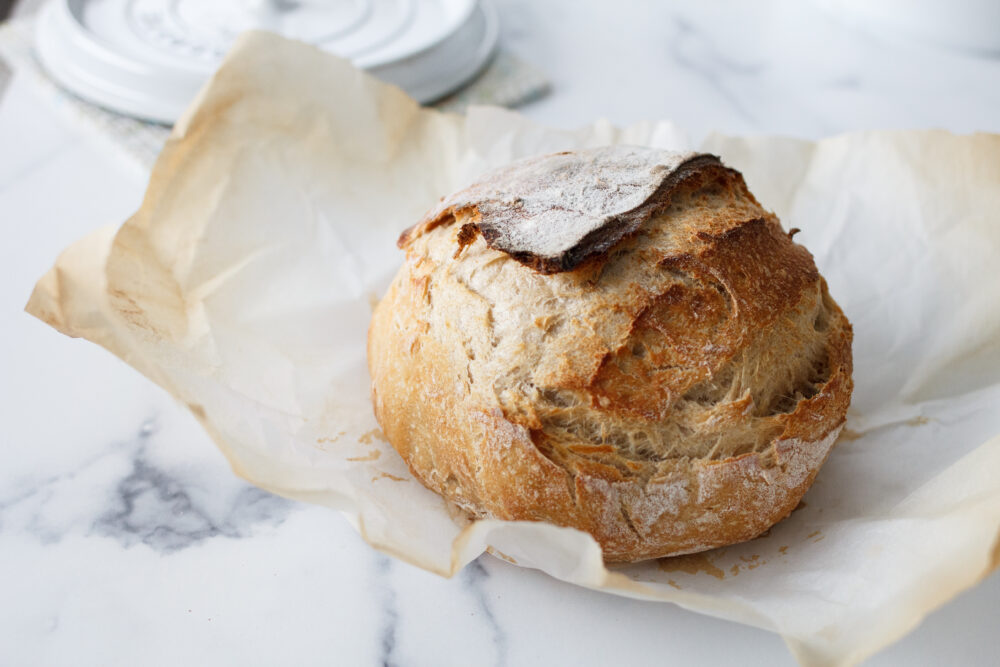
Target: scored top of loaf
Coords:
[(553, 212)]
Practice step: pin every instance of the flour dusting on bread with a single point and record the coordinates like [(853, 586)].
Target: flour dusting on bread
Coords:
[(556, 211)]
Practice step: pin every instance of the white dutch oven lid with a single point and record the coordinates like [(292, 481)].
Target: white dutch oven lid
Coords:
[(148, 58)]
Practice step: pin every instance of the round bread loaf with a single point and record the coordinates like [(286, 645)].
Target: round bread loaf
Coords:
[(620, 340)]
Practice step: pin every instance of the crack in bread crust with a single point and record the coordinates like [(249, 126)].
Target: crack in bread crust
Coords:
[(676, 394)]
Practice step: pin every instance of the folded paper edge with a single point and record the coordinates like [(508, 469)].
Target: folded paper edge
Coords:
[(988, 556), (806, 656)]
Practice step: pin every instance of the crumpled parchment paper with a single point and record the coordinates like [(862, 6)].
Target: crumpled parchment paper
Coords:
[(245, 282)]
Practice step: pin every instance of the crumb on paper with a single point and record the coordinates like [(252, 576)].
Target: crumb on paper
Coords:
[(501, 555), (918, 421), (748, 563), (374, 434), (373, 456), (387, 475), (849, 435), (691, 564), (331, 439)]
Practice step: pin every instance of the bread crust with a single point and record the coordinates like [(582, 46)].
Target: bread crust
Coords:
[(554, 212), (670, 392)]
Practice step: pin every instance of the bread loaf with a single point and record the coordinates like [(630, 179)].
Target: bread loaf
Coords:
[(620, 340)]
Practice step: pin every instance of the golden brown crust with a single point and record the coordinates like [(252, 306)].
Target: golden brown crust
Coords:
[(677, 395)]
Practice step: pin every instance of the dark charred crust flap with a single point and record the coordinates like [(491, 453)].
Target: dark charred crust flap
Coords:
[(554, 212)]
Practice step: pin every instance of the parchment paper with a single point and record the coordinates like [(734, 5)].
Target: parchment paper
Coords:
[(245, 283)]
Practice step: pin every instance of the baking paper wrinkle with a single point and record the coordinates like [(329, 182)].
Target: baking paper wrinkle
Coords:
[(242, 286)]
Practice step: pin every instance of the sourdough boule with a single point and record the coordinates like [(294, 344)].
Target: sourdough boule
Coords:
[(620, 340)]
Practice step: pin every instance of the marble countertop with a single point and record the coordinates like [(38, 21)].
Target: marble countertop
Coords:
[(126, 539)]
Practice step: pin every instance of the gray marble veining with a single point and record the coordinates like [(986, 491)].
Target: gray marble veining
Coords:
[(388, 612), (154, 507), (696, 52), (474, 577), (148, 504)]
